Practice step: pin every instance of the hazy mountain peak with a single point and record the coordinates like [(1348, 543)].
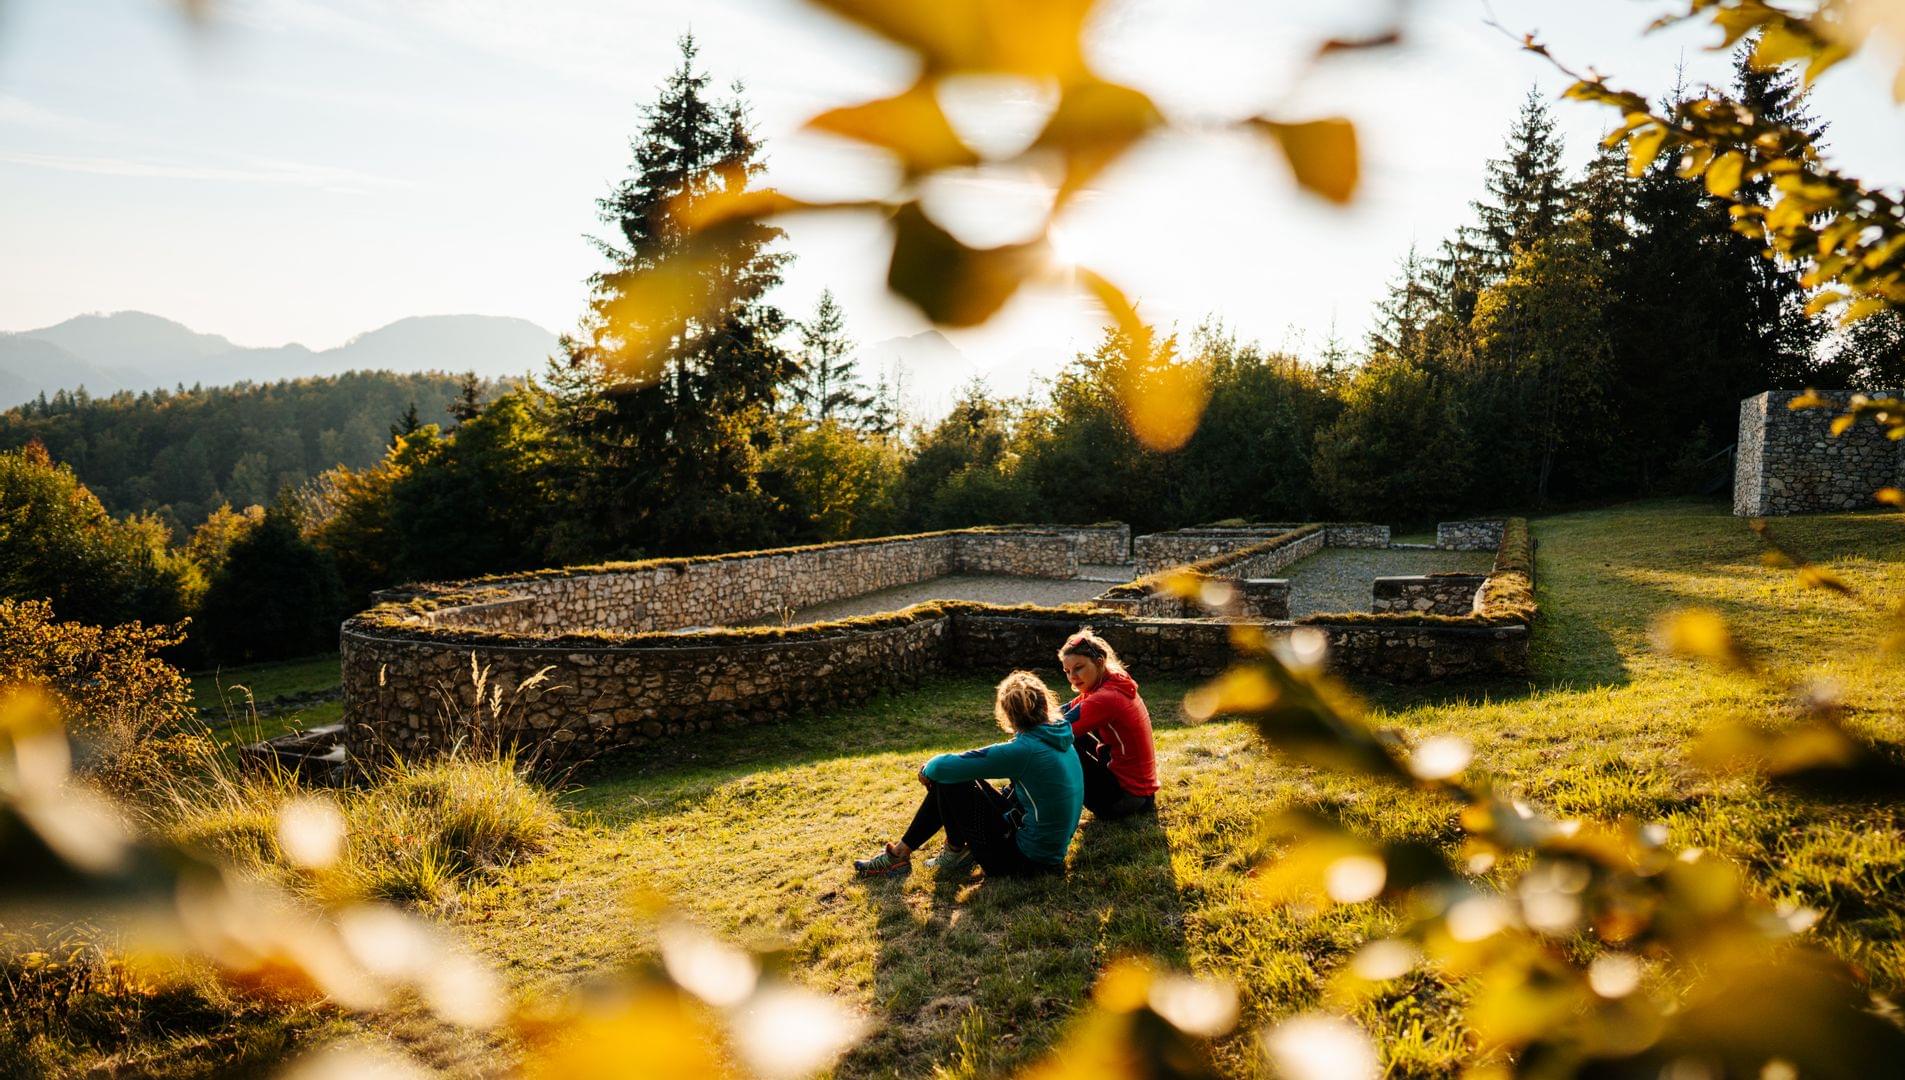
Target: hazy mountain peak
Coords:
[(129, 334), (134, 350)]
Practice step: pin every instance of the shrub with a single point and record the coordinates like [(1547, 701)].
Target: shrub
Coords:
[(128, 709)]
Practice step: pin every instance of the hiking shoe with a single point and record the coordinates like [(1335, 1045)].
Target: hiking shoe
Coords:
[(885, 864), (951, 860)]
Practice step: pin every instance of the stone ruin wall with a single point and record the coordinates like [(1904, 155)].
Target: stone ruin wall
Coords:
[(1261, 599), (1098, 545), (1359, 535), (1156, 552), (1468, 535), (721, 591), (416, 696), (1789, 462), (1428, 594), (410, 678)]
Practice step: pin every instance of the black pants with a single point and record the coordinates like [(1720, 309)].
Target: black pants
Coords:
[(976, 815), (1104, 796)]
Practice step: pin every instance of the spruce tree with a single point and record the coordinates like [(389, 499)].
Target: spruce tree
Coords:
[(1527, 189), (406, 424), (1787, 336), (884, 414), (1526, 200), (1403, 317), (672, 423), (1700, 318), (829, 387), (468, 403)]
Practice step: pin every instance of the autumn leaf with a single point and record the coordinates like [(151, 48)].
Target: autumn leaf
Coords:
[(1322, 154), (1034, 38), (950, 283), (1700, 634), (1643, 147), (1123, 312), (910, 125), (1094, 124), (654, 306), (1726, 173)]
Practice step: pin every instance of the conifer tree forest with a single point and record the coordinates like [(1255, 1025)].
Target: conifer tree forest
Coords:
[(1587, 335)]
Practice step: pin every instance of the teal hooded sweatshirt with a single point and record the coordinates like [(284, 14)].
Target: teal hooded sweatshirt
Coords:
[(1047, 785)]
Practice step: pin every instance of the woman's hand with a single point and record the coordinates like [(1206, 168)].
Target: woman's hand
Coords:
[(923, 782)]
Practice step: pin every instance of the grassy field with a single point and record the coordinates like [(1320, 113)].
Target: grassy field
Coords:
[(751, 832), (234, 691)]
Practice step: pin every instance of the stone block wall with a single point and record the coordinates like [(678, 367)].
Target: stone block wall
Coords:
[(723, 591), (1268, 563), (1468, 535), (1428, 594), (1254, 599), (720, 591), (1098, 545), (1154, 552), (998, 641), (1407, 653), (1263, 599), (414, 697), (1012, 554), (1358, 535), (1789, 462), (618, 657)]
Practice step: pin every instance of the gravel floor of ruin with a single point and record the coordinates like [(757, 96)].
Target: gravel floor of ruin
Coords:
[(1338, 579), (989, 589)]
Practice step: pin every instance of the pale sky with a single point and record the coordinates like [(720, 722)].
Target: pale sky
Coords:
[(304, 170)]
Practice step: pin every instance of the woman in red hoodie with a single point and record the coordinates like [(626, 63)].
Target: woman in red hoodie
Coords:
[(1112, 729)]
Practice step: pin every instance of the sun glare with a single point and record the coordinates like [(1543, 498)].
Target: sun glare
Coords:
[(1063, 241)]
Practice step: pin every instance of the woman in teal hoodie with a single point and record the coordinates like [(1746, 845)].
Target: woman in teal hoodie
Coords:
[(1019, 832)]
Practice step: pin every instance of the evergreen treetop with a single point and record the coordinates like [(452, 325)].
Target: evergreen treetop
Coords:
[(829, 387)]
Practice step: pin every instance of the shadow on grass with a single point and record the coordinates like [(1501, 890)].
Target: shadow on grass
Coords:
[(948, 712), (977, 976)]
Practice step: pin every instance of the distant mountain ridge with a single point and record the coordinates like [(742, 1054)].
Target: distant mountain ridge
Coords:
[(133, 350)]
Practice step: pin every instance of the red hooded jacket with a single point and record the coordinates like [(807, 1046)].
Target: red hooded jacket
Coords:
[(1114, 725)]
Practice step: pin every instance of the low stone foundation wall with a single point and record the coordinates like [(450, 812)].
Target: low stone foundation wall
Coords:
[(725, 590), (1357, 535), (1468, 535), (417, 697), (1014, 555), (1154, 552), (576, 663), (1268, 563), (999, 641), (1428, 594), (1252, 599), (1098, 545), (670, 594), (1420, 653)]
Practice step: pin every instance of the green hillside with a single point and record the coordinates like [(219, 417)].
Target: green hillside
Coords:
[(181, 453), (752, 832)]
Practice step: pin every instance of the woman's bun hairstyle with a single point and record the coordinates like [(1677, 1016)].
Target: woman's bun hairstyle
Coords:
[(1024, 702)]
